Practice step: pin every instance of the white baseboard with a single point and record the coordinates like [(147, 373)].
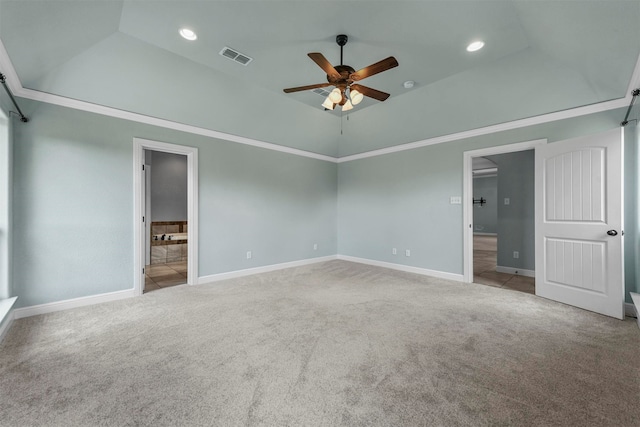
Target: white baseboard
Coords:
[(6, 315), (265, 269), (630, 311), (633, 309), (518, 271), (8, 321), (407, 268), (34, 310)]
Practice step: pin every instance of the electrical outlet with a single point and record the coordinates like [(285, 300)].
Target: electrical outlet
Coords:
[(248, 254), (394, 251), (407, 252), (315, 246), (506, 201), (516, 254)]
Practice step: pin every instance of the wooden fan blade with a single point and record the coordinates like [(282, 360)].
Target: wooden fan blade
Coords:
[(373, 69), (371, 93), (301, 88), (322, 62)]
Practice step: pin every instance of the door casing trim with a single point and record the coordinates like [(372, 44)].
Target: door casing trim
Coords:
[(139, 145), (467, 194)]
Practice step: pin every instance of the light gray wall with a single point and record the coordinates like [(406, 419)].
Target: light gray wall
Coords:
[(168, 186), (402, 199), (516, 221), (633, 280), (73, 204), (6, 184), (485, 217)]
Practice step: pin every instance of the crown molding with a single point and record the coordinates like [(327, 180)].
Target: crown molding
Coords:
[(13, 81), (531, 121), (634, 83)]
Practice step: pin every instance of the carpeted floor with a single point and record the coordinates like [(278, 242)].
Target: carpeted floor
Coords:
[(329, 344)]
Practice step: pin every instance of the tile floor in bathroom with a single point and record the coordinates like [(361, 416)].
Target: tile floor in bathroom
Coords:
[(485, 256), (160, 276)]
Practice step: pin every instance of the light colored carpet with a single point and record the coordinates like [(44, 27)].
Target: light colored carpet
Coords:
[(329, 344)]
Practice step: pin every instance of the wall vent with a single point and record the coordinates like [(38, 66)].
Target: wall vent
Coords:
[(321, 91), (236, 56)]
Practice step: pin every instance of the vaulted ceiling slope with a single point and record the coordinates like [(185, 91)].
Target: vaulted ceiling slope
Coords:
[(539, 57)]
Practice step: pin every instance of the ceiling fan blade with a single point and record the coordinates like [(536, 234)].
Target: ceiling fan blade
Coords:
[(376, 68), (322, 62), (371, 93), (301, 88)]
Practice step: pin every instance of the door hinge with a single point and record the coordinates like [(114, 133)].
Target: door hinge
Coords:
[(143, 218), (143, 271), (142, 167)]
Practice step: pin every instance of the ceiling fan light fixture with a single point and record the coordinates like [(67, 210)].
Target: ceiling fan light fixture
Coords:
[(347, 105), (356, 97), (335, 96), (188, 34), (328, 103)]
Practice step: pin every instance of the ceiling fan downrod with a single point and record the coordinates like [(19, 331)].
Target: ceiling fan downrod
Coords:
[(341, 39)]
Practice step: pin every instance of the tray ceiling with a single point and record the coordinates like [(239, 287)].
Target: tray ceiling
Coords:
[(539, 57)]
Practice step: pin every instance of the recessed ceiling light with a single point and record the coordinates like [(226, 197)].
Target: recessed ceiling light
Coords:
[(188, 34), (477, 45)]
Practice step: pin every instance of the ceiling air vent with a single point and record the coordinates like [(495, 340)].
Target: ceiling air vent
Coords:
[(322, 92), (236, 56)]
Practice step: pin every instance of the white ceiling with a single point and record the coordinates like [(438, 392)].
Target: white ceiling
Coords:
[(539, 57)]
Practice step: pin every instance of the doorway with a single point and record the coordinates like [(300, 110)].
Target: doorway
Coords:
[(165, 218), (503, 221), (166, 224), (490, 259), (579, 249)]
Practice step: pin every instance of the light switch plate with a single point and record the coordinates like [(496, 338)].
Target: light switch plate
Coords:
[(456, 200)]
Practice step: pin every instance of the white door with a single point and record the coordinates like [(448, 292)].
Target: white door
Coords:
[(579, 222)]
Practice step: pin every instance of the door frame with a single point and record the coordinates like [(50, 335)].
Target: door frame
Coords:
[(139, 145), (467, 194)]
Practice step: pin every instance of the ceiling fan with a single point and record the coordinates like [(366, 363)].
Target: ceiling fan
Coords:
[(347, 93)]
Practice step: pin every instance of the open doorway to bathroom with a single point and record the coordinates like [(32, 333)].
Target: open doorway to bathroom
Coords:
[(166, 230), (165, 215)]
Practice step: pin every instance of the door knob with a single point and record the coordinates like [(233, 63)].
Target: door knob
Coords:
[(612, 233)]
